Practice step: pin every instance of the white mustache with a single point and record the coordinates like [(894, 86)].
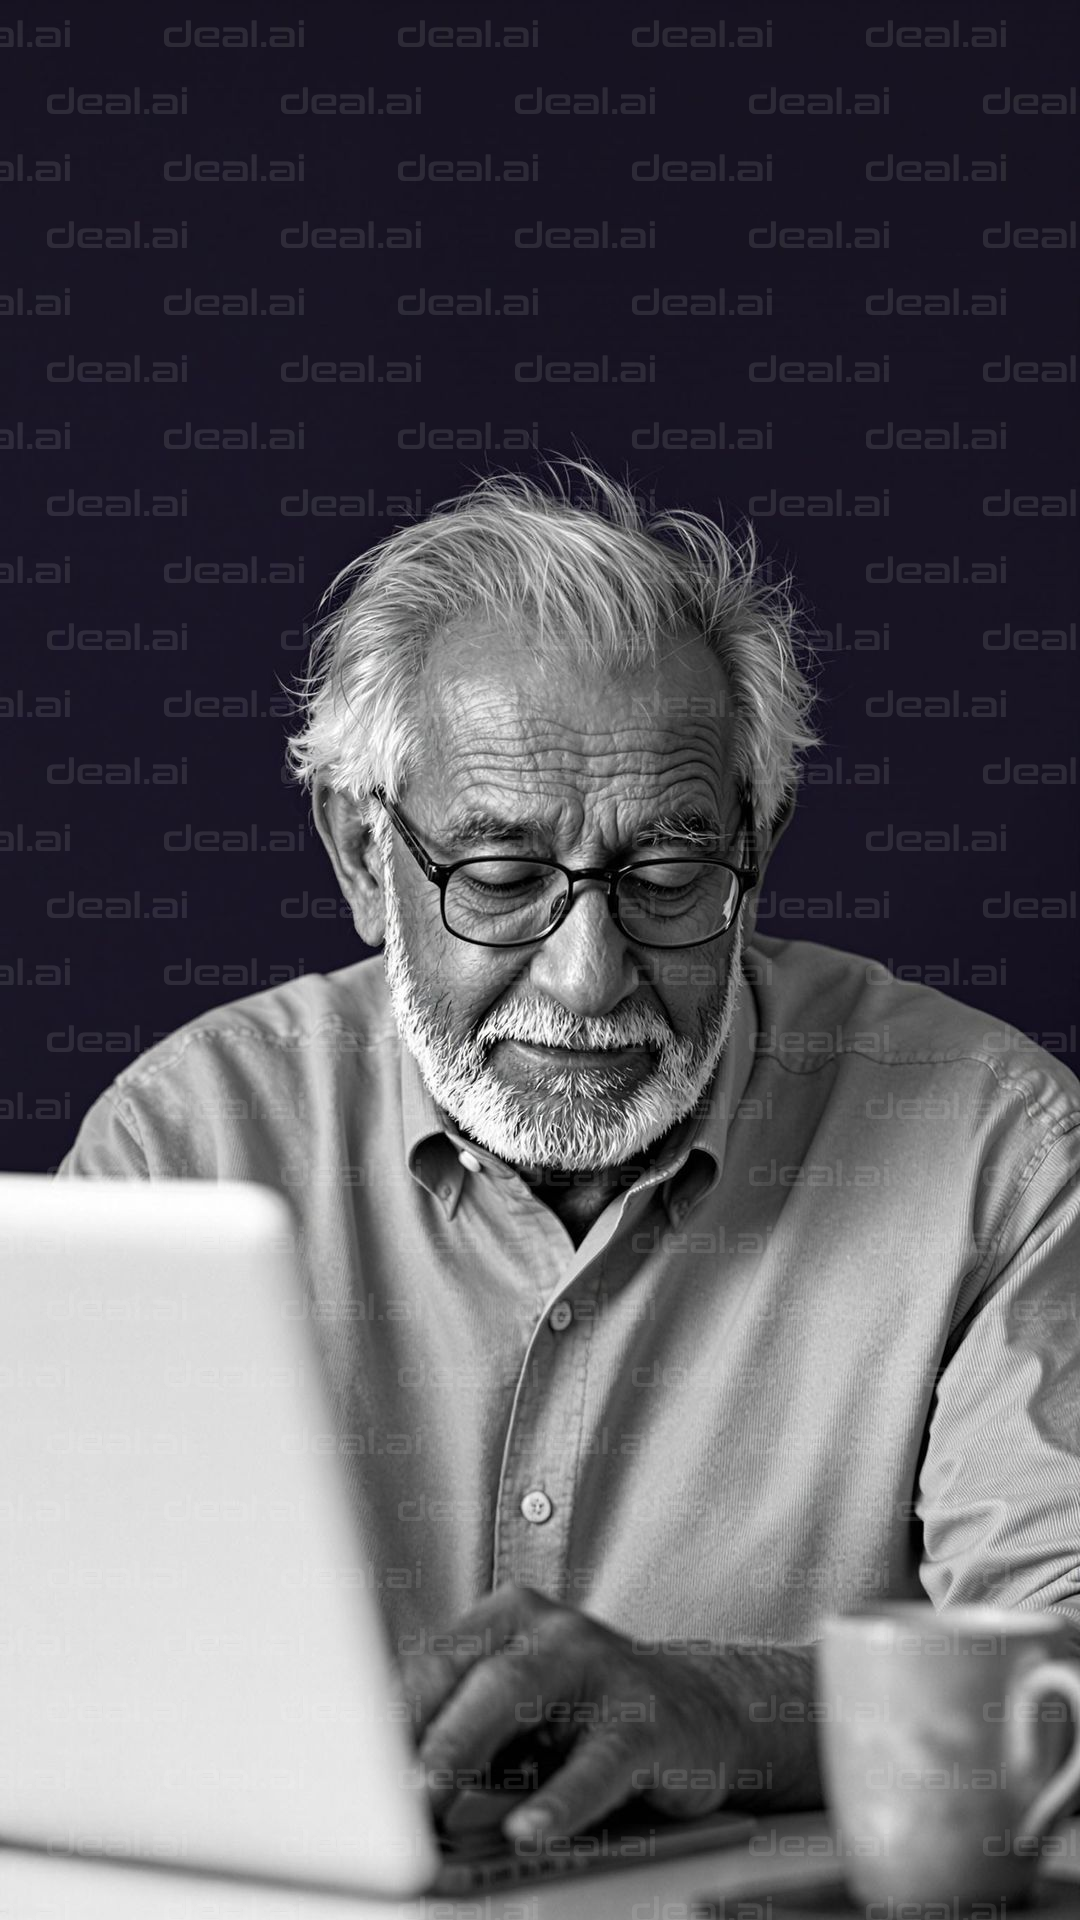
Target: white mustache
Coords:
[(545, 1025)]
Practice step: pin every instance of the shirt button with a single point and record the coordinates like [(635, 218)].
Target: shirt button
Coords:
[(536, 1507), (560, 1316), (469, 1161), (445, 1191)]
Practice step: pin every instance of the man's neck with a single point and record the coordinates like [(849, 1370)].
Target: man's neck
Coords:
[(580, 1198)]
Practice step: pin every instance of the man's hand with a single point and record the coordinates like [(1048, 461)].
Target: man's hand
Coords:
[(684, 1728)]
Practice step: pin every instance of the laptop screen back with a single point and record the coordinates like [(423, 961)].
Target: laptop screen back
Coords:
[(192, 1665)]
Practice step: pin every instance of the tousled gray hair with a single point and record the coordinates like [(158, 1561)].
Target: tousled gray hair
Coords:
[(589, 577)]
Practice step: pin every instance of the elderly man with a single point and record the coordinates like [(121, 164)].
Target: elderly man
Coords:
[(676, 1285)]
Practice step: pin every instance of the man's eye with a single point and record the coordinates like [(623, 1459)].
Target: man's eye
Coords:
[(502, 882), (666, 889), (663, 880)]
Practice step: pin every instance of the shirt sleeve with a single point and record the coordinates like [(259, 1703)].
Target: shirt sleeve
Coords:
[(999, 1492), (107, 1145)]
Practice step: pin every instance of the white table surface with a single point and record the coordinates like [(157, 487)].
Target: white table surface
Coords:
[(786, 1856)]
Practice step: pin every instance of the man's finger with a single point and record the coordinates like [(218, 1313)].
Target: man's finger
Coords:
[(485, 1712), (427, 1680), (595, 1778), (503, 1621)]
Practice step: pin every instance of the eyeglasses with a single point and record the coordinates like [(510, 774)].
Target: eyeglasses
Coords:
[(505, 901)]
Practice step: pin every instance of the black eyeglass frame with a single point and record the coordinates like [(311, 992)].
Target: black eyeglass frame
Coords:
[(747, 878)]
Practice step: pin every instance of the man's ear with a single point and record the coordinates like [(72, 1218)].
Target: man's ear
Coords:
[(345, 831), (775, 831)]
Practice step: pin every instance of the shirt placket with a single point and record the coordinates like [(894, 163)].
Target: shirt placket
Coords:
[(546, 1432)]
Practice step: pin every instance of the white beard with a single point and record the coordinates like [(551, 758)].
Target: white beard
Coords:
[(579, 1121)]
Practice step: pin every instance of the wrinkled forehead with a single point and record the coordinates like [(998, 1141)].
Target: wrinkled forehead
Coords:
[(502, 718), (478, 671)]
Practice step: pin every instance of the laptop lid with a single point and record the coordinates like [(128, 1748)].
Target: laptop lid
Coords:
[(193, 1669)]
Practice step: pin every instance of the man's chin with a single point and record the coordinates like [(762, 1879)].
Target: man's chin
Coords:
[(596, 1122)]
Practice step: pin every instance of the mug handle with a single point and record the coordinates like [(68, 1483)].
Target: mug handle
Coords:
[(1051, 1676)]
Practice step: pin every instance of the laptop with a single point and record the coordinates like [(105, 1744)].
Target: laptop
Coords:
[(193, 1669)]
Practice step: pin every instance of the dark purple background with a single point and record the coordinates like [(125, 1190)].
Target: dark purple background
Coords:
[(93, 973)]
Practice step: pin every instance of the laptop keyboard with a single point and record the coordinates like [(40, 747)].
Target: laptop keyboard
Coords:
[(630, 1837)]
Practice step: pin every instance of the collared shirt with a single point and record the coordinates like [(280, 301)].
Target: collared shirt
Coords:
[(825, 1352)]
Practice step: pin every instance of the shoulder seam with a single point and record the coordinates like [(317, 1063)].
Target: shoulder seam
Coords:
[(144, 1070), (128, 1118), (985, 1270), (1009, 1083)]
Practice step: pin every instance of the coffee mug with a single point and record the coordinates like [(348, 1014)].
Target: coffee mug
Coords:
[(948, 1748)]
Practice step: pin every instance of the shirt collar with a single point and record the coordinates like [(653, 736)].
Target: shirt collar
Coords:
[(699, 1162), (691, 1169), (428, 1154)]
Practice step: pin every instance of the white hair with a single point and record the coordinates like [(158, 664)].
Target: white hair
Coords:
[(591, 579)]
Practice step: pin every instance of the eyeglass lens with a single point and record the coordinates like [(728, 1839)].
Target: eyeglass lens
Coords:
[(660, 902)]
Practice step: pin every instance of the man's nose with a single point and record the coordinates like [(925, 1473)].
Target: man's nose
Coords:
[(586, 964)]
